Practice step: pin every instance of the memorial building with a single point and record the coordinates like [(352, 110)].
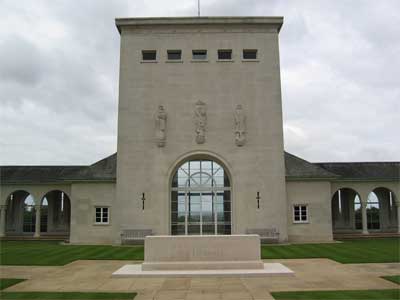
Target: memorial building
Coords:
[(200, 152)]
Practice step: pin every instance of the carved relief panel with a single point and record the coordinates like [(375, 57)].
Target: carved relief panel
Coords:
[(161, 126), (200, 119)]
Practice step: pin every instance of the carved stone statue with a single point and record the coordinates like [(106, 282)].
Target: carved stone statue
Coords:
[(200, 118), (161, 126), (240, 126)]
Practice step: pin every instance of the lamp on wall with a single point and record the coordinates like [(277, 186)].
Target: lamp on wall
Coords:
[(143, 199), (258, 200)]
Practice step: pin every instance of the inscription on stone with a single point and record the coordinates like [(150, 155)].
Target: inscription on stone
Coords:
[(202, 252)]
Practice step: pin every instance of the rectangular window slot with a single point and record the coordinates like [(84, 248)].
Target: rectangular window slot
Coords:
[(174, 54), (199, 54), (250, 54), (224, 54), (149, 55)]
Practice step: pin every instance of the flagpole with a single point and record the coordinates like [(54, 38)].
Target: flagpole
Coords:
[(198, 8)]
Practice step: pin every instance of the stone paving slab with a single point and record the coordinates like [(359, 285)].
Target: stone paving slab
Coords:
[(310, 274), (269, 269)]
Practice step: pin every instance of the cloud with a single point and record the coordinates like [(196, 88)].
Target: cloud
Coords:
[(21, 62), (59, 65)]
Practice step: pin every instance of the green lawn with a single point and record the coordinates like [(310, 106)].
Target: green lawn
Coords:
[(7, 282), (354, 251), (50, 253), (339, 295), (395, 278)]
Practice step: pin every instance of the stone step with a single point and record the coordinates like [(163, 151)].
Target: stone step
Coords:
[(64, 238), (344, 236), (202, 265)]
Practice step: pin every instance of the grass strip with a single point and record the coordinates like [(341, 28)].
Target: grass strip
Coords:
[(392, 294), (394, 278), (65, 295), (51, 253), (7, 282)]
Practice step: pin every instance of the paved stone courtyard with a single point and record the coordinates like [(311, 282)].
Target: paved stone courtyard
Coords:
[(310, 274)]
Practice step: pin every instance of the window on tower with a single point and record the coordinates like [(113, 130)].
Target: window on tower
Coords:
[(199, 54), (225, 54), (174, 54), (149, 55), (250, 54)]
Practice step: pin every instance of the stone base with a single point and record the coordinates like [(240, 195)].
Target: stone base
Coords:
[(206, 255), (201, 265), (269, 269), (205, 252)]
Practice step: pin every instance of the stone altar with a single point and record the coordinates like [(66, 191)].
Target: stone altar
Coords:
[(202, 255), (211, 252)]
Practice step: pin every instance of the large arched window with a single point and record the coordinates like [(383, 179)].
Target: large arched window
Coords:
[(200, 199)]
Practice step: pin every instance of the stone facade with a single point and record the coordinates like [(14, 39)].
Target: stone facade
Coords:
[(200, 97)]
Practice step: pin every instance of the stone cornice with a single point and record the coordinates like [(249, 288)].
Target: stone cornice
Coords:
[(210, 22)]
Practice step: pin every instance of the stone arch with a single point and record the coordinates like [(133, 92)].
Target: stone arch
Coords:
[(382, 210), (20, 213), (346, 210), (56, 217)]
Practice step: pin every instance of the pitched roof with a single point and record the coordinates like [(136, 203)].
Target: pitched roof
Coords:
[(37, 174), (103, 170), (364, 170), (296, 169)]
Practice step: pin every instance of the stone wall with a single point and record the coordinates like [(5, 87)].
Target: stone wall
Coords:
[(316, 195), (85, 198)]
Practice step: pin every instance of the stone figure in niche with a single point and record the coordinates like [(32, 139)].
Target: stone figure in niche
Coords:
[(240, 126), (200, 115), (161, 126)]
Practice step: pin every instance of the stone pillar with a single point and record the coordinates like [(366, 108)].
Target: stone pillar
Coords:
[(364, 217), (37, 224), (3, 220), (398, 217)]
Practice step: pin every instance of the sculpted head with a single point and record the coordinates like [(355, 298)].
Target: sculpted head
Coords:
[(201, 107)]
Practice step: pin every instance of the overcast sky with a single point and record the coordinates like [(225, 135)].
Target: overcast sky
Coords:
[(59, 60)]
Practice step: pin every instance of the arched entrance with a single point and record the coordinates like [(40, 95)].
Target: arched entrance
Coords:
[(200, 199), (373, 212), (346, 211), (55, 213), (27, 217), (382, 210), (20, 213)]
